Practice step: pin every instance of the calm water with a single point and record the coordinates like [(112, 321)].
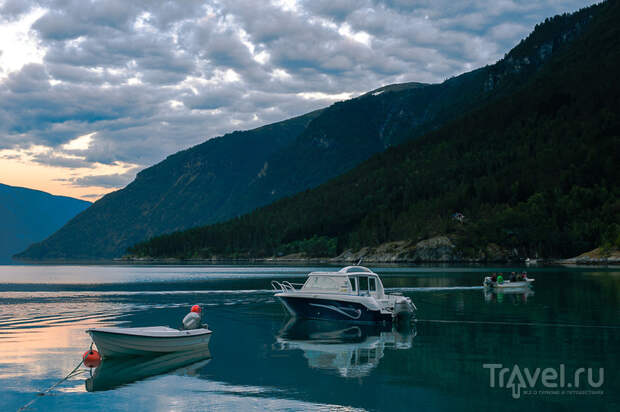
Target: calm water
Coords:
[(259, 359)]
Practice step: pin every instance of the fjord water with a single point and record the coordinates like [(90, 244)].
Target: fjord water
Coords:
[(260, 359)]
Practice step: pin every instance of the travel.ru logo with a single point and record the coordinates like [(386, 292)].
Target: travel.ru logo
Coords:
[(553, 380)]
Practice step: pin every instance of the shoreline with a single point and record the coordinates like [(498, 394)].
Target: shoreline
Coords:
[(437, 250), (308, 260), (338, 260)]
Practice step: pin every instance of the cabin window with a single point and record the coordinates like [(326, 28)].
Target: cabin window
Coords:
[(363, 282), (372, 284), (352, 282)]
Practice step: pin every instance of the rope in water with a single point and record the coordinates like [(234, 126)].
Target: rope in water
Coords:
[(71, 374), (508, 323), (482, 322)]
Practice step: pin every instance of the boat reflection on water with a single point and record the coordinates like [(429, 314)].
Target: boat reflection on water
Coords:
[(349, 350), (116, 372), (514, 296)]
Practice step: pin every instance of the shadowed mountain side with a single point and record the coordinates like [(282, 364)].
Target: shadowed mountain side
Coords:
[(28, 216), (194, 185)]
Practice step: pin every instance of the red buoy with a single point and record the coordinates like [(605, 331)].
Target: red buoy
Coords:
[(91, 358), (196, 308)]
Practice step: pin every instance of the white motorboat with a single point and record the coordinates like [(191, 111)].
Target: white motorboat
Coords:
[(354, 293), (118, 342)]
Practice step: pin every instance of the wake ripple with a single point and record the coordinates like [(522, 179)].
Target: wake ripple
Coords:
[(435, 289)]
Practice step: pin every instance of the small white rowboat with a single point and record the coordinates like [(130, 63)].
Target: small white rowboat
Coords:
[(117, 342)]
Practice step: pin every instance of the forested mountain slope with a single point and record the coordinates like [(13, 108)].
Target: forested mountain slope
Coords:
[(534, 171)]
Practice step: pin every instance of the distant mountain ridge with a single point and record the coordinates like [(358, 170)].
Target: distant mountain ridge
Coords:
[(28, 216), (234, 174), (531, 173)]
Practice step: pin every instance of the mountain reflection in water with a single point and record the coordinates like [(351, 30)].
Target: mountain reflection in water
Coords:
[(514, 296)]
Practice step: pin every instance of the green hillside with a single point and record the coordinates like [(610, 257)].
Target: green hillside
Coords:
[(533, 171)]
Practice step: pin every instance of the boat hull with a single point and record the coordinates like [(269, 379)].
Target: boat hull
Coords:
[(115, 344), (507, 285), (331, 309)]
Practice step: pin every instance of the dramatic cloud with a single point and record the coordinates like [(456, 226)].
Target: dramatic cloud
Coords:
[(145, 79)]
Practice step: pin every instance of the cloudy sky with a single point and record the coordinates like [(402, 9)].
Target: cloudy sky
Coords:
[(93, 91)]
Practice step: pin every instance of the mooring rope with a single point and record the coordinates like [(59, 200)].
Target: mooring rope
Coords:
[(71, 374)]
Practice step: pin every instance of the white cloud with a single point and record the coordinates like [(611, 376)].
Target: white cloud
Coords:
[(360, 36), (79, 143), (325, 96), (280, 74), (18, 45), (508, 31), (152, 78)]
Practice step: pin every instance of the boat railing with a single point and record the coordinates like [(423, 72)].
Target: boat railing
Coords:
[(285, 286)]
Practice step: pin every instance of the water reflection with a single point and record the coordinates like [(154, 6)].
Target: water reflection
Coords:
[(572, 320), (349, 350), (514, 296), (113, 373)]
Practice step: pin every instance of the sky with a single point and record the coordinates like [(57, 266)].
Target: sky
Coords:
[(91, 92)]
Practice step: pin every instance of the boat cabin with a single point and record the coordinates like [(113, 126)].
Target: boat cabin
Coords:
[(351, 280)]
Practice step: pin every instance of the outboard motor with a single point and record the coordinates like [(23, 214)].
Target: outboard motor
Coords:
[(404, 310), (193, 319)]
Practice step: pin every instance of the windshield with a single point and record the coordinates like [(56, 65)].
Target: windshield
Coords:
[(328, 283)]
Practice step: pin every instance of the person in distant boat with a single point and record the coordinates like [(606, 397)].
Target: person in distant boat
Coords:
[(193, 320), (500, 279), (494, 277), (513, 277)]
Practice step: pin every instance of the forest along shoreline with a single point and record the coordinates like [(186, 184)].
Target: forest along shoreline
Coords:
[(439, 249)]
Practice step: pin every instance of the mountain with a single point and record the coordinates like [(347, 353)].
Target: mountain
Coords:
[(28, 216), (534, 172), (237, 173)]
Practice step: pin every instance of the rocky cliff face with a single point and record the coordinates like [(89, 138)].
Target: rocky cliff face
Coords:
[(598, 256), (438, 249)]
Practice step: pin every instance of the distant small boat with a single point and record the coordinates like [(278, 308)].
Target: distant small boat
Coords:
[(507, 284), (119, 342)]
